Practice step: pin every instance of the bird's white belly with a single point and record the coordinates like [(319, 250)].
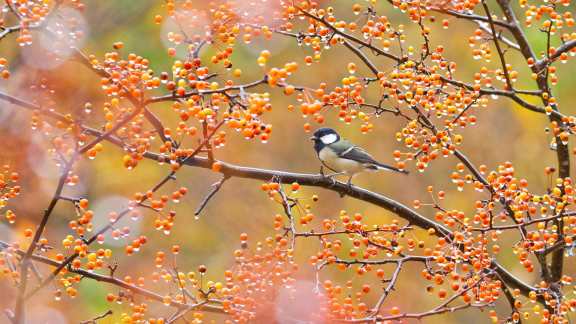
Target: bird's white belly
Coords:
[(338, 164)]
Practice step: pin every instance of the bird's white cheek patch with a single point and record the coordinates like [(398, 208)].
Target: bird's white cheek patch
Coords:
[(329, 139)]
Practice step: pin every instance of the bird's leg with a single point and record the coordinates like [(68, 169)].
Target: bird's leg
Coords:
[(350, 183), (324, 176), (348, 187), (329, 176)]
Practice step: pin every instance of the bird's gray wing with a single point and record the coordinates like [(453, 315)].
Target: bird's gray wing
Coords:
[(347, 150)]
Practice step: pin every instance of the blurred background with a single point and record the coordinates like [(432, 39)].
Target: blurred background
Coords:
[(504, 132)]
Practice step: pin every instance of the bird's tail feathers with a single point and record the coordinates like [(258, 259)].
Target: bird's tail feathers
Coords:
[(389, 168)]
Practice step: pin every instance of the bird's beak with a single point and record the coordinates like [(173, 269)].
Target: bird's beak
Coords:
[(313, 138)]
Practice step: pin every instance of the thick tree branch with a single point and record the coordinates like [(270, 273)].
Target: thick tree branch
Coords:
[(316, 180), (516, 29)]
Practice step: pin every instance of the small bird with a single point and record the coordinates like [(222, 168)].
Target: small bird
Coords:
[(343, 157)]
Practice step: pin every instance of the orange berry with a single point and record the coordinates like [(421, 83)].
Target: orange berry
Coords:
[(289, 89), (366, 288), (110, 298), (28, 232), (295, 186), (83, 203), (217, 166), (442, 293)]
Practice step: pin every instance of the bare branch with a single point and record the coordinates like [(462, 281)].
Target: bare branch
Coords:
[(356, 40), (566, 47), (211, 307), (213, 191), (19, 312), (224, 90), (498, 48), (470, 16), (99, 317)]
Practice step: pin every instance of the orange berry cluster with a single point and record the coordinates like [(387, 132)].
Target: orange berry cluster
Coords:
[(346, 99), (551, 15), (242, 112), (351, 242), (512, 207), (528, 207), (4, 73), (127, 77), (31, 13), (9, 189), (256, 278), (248, 122), (413, 86), (251, 284)]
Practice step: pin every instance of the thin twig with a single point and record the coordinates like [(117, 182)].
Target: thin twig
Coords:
[(19, 312), (213, 191), (99, 317), (210, 306)]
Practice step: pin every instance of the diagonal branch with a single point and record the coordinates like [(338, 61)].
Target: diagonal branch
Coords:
[(136, 102), (224, 90), (213, 191), (562, 150), (470, 16), (356, 40), (25, 264), (111, 280), (568, 46), (498, 47)]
